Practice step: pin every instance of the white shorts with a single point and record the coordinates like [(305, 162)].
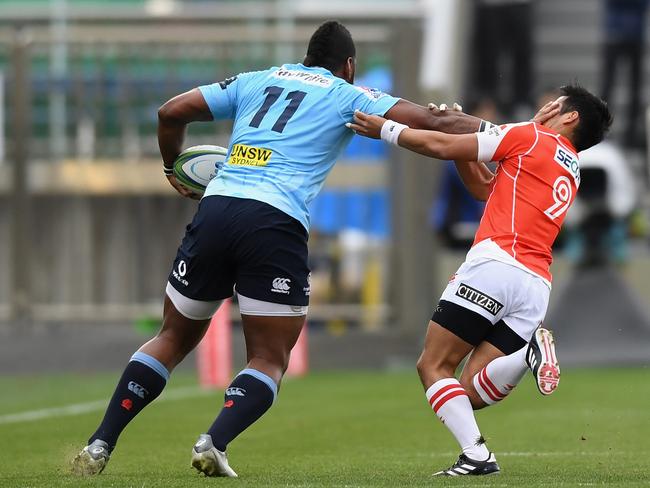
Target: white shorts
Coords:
[(487, 300), (202, 310)]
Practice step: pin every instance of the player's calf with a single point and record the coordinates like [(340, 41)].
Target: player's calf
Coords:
[(489, 389), (142, 381), (246, 399), (474, 398), (269, 340), (498, 378), (442, 353)]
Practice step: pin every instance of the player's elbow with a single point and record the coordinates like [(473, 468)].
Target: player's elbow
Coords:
[(169, 113), (480, 192)]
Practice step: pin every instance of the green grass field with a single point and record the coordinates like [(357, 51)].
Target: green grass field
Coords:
[(340, 429)]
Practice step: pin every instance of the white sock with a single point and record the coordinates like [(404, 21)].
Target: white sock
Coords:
[(451, 404), (494, 382)]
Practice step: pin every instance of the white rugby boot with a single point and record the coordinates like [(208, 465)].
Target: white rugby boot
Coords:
[(92, 459), (209, 460), (542, 361)]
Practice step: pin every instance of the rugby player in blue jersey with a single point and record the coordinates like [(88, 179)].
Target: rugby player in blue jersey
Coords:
[(250, 231)]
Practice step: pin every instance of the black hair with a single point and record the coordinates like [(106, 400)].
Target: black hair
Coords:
[(330, 46), (595, 118)]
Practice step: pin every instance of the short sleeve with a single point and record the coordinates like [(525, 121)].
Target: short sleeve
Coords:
[(222, 97), (499, 142), (367, 100)]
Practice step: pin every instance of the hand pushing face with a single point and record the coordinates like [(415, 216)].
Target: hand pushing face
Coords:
[(548, 111)]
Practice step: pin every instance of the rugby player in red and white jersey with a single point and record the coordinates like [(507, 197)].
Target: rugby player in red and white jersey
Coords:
[(494, 304)]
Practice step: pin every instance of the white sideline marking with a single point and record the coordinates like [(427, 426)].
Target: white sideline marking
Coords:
[(531, 454), (555, 453), (88, 407)]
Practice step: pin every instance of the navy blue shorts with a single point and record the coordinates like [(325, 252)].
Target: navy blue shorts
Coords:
[(246, 244)]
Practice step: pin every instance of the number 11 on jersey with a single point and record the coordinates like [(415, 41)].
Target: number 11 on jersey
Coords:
[(272, 95)]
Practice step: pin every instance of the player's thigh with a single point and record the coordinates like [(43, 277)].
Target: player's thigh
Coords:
[(204, 267), (470, 306), (527, 303), (273, 277), (473, 301), (530, 297), (273, 286)]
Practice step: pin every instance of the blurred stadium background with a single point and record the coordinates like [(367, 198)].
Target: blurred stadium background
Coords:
[(89, 224), (89, 227)]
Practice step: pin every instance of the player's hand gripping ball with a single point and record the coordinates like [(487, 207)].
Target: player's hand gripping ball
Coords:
[(197, 165)]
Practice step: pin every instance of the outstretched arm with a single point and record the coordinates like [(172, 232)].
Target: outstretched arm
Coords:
[(419, 117), (453, 121), (173, 118), (476, 176), (458, 147), (462, 148)]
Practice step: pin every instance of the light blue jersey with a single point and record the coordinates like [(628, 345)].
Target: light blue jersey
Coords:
[(289, 130)]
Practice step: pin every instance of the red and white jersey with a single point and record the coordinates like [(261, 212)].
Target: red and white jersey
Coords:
[(536, 182)]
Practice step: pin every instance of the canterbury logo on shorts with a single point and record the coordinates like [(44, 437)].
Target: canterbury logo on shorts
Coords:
[(281, 285), (243, 155), (479, 298)]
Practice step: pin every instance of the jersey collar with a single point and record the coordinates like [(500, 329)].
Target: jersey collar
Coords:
[(567, 143), (317, 69), (559, 137)]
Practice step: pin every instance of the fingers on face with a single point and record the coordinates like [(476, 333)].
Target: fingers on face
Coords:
[(550, 113), (552, 106)]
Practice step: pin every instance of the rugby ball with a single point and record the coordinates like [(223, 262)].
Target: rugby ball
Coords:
[(197, 165)]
